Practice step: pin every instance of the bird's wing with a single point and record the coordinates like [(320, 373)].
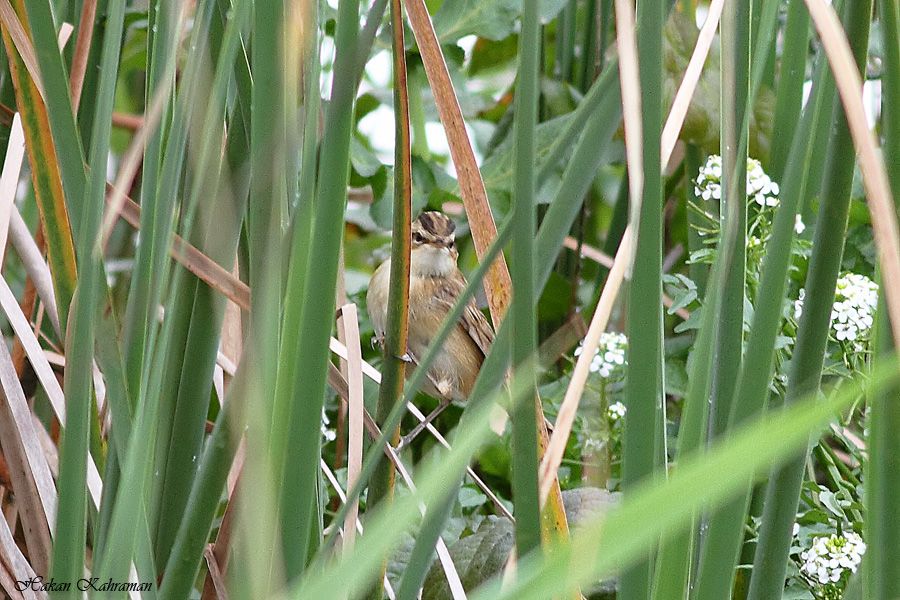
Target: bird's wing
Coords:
[(472, 320)]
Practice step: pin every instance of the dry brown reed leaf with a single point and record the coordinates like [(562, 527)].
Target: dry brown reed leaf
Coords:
[(35, 266), (29, 470), (9, 179), (82, 49), (497, 283), (355, 408), (11, 556), (215, 574)]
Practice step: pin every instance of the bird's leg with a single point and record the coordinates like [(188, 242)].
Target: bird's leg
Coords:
[(407, 439)]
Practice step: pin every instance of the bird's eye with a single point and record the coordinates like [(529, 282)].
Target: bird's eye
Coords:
[(451, 245), (417, 237)]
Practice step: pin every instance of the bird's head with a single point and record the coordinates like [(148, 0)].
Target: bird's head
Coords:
[(433, 245)]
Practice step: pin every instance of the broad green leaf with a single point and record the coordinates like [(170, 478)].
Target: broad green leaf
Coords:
[(491, 19)]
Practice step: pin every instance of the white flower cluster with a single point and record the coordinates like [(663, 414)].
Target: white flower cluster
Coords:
[(830, 557), (853, 312), (760, 188), (609, 357), (616, 411)]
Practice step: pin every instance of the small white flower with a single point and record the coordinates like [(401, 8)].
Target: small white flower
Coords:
[(609, 358), (799, 225), (760, 188), (616, 411), (832, 556)]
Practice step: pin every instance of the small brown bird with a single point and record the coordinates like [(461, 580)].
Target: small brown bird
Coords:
[(435, 283)]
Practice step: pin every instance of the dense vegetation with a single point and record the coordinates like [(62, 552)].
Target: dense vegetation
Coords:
[(677, 217)]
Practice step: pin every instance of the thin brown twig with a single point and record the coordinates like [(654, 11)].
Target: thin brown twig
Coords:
[(82, 49)]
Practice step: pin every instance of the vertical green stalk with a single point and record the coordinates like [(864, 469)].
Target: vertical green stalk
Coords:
[(735, 83), (565, 41), (590, 48), (68, 551), (162, 42), (311, 357), (882, 570), (381, 487), (790, 87), (522, 312), (644, 382), (265, 217), (783, 490)]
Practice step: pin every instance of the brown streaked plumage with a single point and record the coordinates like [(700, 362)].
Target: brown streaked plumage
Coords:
[(435, 284)]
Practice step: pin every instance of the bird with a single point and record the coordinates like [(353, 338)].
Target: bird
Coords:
[(435, 284)]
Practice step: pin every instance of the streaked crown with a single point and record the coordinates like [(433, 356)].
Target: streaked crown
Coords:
[(433, 227)]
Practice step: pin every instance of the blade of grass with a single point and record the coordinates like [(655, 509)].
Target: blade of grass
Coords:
[(393, 369), (789, 96), (568, 409), (199, 311), (682, 101), (298, 241), (735, 101), (643, 442), (165, 21), (524, 439), (9, 180), (82, 50), (37, 269), (13, 559), (354, 416), (881, 571)]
